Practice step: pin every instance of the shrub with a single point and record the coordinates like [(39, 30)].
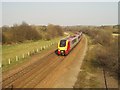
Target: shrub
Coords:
[(19, 33), (54, 31)]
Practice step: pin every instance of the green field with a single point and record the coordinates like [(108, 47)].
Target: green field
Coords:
[(11, 51)]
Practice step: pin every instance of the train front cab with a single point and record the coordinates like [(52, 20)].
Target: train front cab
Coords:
[(63, 47)]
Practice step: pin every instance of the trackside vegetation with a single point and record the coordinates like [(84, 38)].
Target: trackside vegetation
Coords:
[(23, 32), (20, 41), (102, 53), (106, 52), (105, 48)]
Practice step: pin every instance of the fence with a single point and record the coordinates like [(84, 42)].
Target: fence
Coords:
[(25, 55)]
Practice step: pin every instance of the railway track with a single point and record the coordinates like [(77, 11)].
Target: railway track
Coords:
[(41, 71), (45, 71), (34, 70)]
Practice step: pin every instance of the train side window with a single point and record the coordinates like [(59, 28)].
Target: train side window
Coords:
[(73, 41)]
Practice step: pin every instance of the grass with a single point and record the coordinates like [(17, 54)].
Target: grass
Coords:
[(87, 63), (86, 77), (15, 64), (11, 51)]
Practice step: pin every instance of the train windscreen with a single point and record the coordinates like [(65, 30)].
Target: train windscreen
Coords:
[(62, 43)]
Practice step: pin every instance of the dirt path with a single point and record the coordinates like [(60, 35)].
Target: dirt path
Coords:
[(52, 71)]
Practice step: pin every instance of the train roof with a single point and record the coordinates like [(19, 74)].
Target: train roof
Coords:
[(72, 37)]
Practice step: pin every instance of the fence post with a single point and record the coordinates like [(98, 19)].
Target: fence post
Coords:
[(9, 61), (37, 50), (0, 65), (28, 53), (23, 56), (44, 47), (16, 58)]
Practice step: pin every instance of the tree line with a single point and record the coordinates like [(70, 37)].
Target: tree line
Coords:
[(20, 33)]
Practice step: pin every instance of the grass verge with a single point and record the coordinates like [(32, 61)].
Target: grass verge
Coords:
[(87, 77), (11, 51)]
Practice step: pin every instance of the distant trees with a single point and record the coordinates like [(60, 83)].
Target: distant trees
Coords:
[(23, 32), (50, 31), (54, 31), (19, 33)]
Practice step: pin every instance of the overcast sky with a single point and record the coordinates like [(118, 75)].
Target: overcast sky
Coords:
[(61, 13)]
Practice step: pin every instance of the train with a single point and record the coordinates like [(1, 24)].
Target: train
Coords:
[(67, 44)]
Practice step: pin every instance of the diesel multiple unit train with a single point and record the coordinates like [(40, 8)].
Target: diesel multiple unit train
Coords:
[(67, 44)]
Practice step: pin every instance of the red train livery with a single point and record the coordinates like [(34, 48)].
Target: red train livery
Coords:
[(67, 44)]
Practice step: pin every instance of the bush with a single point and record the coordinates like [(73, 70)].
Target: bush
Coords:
[(103, 37), (19, 33), (23, 32), (107, 57), (54, 31)]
